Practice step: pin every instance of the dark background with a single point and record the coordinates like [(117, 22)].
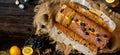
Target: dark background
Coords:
[(15, 23)]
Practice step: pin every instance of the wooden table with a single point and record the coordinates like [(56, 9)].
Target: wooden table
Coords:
[(15, 23)]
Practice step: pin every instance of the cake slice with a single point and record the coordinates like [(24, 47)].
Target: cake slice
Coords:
[(85, 27)]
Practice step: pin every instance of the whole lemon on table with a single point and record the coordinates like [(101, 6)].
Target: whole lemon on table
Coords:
[(15, 50)]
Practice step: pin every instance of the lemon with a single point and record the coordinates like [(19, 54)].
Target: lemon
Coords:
[(15, 50), (27, 51), (110, 1), (96, 12)]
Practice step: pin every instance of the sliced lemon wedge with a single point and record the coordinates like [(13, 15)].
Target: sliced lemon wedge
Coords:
[(27, 51), (109, 1)]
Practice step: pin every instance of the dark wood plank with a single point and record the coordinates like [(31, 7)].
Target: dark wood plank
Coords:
[(8, 7), (16, 24), (11, 11), (12, 28), (21, 1), (7, 1), (16, 19)]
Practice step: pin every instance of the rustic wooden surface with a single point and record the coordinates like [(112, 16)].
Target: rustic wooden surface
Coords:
[(15, 23)]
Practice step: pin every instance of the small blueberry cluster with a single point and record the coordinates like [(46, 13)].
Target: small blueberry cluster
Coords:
[(37, 44)]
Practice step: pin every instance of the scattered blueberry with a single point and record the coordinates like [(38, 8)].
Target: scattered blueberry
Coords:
[(104, 35), (37, 44), (89, 29), (60, 52), (92, 29), (86, 33), (82, 24), (83, 29), (97, 35), (98, 39)]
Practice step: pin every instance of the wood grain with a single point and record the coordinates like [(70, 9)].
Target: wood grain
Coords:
[(15, 24)]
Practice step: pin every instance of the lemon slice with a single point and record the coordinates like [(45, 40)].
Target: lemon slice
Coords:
[(96, 12), (27, 51), (110, 1)]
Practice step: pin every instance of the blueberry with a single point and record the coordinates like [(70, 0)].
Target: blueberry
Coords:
[(86, 33), (82, 24), (92, 29), (37, 44), (83, 29), (104, 35), (98, 39), (60, 52), (97, 35), (89, 29)]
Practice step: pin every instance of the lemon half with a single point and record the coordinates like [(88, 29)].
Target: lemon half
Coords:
[(110, 1), (27, 51)]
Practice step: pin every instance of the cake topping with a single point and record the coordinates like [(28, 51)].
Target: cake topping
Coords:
[(97, 35), (92, 29), (104, 35), (82, 24), (83, 29), (62, 10), (98, 39), (89, 28), (86, 33), (76, 20)]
